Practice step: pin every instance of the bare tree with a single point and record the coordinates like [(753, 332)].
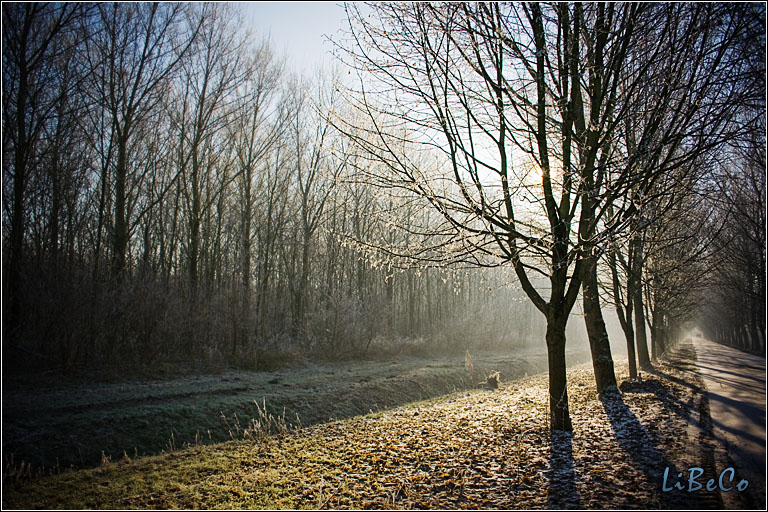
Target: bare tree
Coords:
[(133, 52), (260, 121), (701, 101), (315, 172), (736, 313), (528, 105), (208, 77), (494, 79), (36, 37)]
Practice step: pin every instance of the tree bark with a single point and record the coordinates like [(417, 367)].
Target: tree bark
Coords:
[(637, 303), (658, 331), (301, 290), (558, 390), (599, 344), (624, 311), (121, 234), (194, 229), (20, 159), (17, 217)]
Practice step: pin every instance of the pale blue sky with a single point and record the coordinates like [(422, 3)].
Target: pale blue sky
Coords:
[(297, 28)]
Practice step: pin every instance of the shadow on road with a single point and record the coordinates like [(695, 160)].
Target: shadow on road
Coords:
[(743, 376), (734, 383), (641, 448)]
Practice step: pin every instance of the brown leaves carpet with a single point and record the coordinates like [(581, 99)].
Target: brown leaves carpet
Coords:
[(470, 450)]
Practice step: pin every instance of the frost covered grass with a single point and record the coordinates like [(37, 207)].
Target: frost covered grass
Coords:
[(469, 449), (52, 426)]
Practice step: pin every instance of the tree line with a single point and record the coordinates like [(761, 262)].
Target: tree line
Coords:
[(579, 144), (173, 193)]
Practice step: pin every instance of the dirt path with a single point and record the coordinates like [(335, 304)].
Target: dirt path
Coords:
[(735, 382)]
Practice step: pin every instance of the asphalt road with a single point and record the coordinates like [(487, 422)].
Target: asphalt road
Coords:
[(735, 382)]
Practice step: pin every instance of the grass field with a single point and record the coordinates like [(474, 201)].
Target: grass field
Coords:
[(57, 424), (468, 449)]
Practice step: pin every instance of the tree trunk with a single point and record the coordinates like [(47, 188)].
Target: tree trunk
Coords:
[(20, 160), (599, 345), (121, 235), (558, 391), (300, 297), (641, 339), (55, 208), (629, 334), (194, 232), (245, 270), (624, 311), (657, 333)]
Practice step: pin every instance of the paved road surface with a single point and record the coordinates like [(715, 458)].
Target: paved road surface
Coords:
[(735, 383)]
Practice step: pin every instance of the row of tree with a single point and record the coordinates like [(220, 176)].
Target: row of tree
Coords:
[(571, 135), (172, 193), (735, 312)]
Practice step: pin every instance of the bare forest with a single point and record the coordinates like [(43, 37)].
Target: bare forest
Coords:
[(171, 194), (467, 179)]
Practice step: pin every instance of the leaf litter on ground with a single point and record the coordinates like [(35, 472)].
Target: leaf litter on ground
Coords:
[(482, 449)]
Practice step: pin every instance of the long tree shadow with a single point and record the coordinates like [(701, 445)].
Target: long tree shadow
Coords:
[(562, 492), (751, 411), (632, 435), (660, 373), (685, 410), (642, 451), (741, 376)]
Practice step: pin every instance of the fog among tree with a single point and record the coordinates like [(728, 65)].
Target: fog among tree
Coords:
[(468, 177)]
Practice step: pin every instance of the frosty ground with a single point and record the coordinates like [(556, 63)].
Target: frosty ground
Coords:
[(469, 449), (53, 424)]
